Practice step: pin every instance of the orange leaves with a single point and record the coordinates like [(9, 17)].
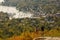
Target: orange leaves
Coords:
[(25, 36), (15, 38)]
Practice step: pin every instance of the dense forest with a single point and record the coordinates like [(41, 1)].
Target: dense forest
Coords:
[(30, 28)]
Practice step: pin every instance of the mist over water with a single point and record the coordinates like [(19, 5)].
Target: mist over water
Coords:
[(13, 12), (1, 1)]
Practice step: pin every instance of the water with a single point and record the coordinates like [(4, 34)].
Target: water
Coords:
[(13, 12)]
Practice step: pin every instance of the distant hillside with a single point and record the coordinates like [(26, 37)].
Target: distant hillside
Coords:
[(10, 2), (16, 2), (35, 6)]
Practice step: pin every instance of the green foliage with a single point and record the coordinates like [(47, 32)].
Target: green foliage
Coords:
[(14, 27), (19, 26), (3, 16)]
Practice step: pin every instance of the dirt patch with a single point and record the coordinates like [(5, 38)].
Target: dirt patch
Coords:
[(47, 38)]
